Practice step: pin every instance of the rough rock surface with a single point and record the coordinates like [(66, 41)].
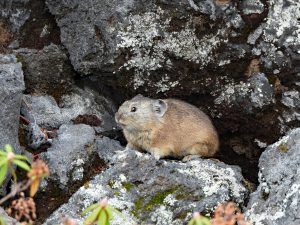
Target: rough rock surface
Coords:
[(44, 110), (157, 192), (277, 198), (46, 71), (70, 151), (12, 86), (7, 219), (199, 51)]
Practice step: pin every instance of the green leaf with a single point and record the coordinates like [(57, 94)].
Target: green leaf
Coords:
[(3, 161), (8, 148), (3, 171), (2, 221), (90, 208), (21, 164), (2, 153), (109, 210), (21, 157), (102, 218), (191, 222), (92, 217)]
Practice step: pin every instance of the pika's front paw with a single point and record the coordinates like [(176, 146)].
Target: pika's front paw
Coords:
[(190, 158)]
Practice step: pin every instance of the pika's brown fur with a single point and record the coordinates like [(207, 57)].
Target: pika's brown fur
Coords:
[(167, 127)]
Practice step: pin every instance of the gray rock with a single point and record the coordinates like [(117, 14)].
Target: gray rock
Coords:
[(276, 200), (7, 219), (252, 6), (140, 39), (12, 86), (291, 113), (44, 111), (46, 71), (279, 40), (70, 151), (15, 12), (156, 192), (256, 93)]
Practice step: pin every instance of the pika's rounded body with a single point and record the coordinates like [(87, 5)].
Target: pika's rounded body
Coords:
[(167, 127)]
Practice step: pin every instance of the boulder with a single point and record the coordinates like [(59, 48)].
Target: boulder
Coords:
[(12, 86), (147, 191), (69, 153), (277, 198), (46, 71), (45, 112)]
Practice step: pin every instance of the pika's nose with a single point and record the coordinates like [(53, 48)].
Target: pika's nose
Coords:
[(117, 116)]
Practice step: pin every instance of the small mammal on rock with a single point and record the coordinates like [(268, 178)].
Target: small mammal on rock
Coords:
[(167, 127)]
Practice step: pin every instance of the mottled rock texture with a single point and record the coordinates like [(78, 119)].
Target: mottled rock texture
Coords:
[(46, 71), (70, 151), (231, 59), (156, 192), (277, 199), (44, 110), (11, 88)]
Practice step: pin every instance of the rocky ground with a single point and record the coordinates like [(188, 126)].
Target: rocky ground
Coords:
[(66, 66)]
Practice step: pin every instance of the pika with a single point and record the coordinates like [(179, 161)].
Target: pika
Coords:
[(167, 127)]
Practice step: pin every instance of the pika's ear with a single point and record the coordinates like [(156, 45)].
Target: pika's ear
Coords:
[(138, 97), (160, 107)]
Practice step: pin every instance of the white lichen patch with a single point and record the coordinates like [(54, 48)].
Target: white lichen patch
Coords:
[(282, 19), (170, 200), (165, 84), (260, 143), (149, 39), (232, 91), (162, 216), (275, 212), (216, 179)]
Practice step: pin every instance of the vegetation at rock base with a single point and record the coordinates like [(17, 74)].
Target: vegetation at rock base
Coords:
[(23, 208)]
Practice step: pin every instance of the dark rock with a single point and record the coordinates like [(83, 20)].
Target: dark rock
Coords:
[(156, 192), (46, 71), (12, 86), (15, 12), (276, 200)]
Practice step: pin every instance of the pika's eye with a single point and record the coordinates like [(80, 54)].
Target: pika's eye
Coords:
[(133, 109)]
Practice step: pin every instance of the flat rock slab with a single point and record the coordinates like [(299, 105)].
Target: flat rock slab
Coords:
[(147, 191), (277, 199)]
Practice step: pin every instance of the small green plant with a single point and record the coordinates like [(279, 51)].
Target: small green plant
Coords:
[(199, 220), (22, 208), (7, 161), (100, 213), (2, 221)]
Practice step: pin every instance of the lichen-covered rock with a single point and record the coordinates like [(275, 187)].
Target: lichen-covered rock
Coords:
[(11, 88), (256, 93), (277, 39), (15, 12), (46, 71), (291, 115), (277, 199), (155, 48), (70, 151), (199, 51), (157, 192)]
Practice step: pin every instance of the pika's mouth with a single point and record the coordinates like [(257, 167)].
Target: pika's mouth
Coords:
[(119, 121)]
